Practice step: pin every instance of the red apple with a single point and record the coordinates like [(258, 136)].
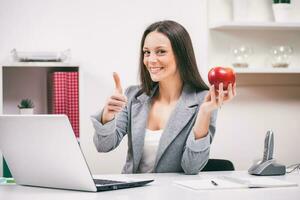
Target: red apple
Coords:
[(223, 75)]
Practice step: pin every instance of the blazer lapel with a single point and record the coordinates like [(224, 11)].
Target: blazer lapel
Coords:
[(180, 116)]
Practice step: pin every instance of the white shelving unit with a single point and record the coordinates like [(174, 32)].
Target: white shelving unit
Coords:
[(23, 78), (255, 26), (222, 33), (28, 78)]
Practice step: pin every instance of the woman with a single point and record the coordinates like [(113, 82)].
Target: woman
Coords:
[(170, 117)]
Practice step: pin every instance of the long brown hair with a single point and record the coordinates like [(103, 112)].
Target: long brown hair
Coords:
[(184, 55)]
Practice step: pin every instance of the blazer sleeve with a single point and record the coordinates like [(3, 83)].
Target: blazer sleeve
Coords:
[(109, 135), (196, 152)]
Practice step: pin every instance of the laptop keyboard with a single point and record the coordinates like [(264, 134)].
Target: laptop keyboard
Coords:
[(106, 182)]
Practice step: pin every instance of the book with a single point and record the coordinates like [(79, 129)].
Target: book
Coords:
[(231, 182), (59, 93), (6, 171), (65, 97), (73, 101)]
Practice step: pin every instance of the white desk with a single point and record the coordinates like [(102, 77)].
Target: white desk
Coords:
[(162, 188)]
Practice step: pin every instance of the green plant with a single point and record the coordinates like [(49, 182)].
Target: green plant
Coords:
[(26, 103), (282, 1)]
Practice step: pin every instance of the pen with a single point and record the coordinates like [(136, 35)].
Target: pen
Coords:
[(214, 183)]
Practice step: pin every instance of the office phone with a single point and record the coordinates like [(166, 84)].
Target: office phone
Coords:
[(267, 166)]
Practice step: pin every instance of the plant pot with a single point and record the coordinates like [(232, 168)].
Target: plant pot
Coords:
[(26, 111), (282, 12)]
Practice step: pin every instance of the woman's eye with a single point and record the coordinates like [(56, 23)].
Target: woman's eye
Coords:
[(161, 52), (146, 53)]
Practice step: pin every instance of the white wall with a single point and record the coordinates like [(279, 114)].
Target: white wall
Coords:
[(1, 111), (242, 125), (104, 37), (19, 84)]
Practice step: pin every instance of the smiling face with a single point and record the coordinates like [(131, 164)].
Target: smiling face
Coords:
[(159, 58)]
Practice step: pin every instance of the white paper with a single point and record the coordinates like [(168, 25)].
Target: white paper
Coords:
[(228, 182), (206, 184), (253, 182)]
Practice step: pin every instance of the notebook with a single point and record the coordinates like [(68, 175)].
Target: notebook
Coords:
[(231, 182)]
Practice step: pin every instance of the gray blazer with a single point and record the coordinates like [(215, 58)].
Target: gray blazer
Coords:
[(177, 151)]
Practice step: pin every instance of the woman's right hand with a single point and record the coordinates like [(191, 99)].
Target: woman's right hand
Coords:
[(115, 103)]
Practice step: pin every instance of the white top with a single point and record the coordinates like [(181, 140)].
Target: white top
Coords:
[(149, 152)]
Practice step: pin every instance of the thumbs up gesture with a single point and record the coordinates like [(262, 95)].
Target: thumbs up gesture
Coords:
[(115, 103)]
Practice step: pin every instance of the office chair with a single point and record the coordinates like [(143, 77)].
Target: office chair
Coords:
[(218, 165)]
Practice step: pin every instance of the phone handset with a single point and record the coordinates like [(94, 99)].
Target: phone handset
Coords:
[(269, 146), (267, 166)]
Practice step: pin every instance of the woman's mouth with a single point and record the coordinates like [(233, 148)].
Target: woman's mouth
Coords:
[(155, 70)]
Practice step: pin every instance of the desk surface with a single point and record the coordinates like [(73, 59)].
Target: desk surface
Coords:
[(162, 188)]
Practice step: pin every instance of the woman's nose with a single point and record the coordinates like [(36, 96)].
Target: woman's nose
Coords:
[(152, 57)]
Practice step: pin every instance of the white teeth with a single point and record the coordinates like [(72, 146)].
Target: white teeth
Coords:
[(155, 70)]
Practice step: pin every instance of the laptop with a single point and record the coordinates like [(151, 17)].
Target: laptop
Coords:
[(42, 150)]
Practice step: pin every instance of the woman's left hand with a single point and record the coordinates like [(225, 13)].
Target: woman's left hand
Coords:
[(215, 99)]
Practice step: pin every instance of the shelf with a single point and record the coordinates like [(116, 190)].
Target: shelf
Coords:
[(39, 64), (268, 76), (267, 70), (255, 26)]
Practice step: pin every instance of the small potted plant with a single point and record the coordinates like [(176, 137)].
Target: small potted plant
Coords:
[(282, 10), (26, 107)]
